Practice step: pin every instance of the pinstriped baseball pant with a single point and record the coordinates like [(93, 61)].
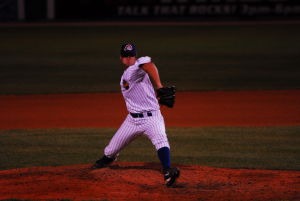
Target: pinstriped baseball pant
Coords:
[(152, 127)]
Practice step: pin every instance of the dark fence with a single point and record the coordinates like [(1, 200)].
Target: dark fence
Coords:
[(8, 10), (154, 9), (177, 9)]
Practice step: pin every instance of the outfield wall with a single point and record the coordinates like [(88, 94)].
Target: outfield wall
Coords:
[(88, 10)]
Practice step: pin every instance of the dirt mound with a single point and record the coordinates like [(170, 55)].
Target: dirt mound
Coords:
[(143, 181)]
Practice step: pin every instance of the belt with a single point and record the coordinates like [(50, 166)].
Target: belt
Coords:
[(140, 115)]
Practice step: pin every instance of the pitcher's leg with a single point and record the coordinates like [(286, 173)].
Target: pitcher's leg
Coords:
[(156, 132), (125, 134), (122, 137)]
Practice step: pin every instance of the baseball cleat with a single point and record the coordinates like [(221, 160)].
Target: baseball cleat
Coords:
[(103, 162), (170, 175)]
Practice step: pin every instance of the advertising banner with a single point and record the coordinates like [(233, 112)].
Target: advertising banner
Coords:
[(208, 8), (149, 9)]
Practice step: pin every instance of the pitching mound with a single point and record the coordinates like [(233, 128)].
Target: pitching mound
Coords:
[(143, 181)]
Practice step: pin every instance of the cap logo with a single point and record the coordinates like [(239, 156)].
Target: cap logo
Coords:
[(128, 47)]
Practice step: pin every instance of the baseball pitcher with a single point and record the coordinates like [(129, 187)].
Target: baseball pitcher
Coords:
[(144, 116)]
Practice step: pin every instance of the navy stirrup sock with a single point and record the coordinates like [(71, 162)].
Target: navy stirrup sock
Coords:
[(164, 157)]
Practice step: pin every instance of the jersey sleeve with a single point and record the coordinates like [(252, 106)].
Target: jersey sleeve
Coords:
[(139, 73), (143, 60)]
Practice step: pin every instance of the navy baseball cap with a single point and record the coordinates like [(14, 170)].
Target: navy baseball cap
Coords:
[(128, 50)]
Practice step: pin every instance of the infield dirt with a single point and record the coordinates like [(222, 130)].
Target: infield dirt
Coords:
[(192, 109), (143, 181)]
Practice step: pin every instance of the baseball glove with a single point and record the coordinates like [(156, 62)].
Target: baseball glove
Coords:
[(166, 96)]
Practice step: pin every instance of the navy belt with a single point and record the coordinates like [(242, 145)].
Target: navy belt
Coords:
[(140, 115)]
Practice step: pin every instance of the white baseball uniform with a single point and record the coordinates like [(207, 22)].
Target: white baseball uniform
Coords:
[(144, 116)]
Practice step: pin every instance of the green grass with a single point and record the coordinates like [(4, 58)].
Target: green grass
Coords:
[(229, 147), (85, 59)]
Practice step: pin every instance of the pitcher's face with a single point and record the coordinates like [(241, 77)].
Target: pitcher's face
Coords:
[(128, 61)]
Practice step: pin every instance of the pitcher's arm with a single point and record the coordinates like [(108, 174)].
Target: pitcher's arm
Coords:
[(152, 71)]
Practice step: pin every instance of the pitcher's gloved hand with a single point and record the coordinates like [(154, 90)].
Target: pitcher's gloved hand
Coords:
[(166, 96)]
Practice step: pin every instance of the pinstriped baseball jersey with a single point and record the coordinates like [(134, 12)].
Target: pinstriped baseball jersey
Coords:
[(137, 88), (140, 97)]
